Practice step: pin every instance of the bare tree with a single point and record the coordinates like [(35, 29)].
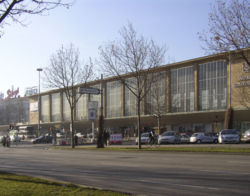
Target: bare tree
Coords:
[(228, 28), (136, 55), (14, 10), (65, 72)]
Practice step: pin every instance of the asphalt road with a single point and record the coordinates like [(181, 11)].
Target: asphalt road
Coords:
[(144, 173)]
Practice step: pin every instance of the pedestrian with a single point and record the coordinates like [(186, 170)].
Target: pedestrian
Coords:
[(152, 137), (4, 141), (106, 137), (8, 141), (76, 140)]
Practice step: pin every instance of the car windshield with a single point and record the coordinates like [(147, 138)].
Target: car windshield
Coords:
[(247, 132), (228, 132), (144, 135), (168, 134), (195, 135)]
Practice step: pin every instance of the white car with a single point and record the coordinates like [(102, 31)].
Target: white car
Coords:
[(201, 138), (229, 136), (169, 137)]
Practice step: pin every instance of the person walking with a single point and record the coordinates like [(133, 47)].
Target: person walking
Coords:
[(152, 137), (4, 141)]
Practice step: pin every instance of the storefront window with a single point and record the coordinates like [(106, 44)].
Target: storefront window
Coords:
[(182, 89), (212, 85)]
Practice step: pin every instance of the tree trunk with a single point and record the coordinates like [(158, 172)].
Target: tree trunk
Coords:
[(159, 131), (139, 122), (72, 129), (100, 133)]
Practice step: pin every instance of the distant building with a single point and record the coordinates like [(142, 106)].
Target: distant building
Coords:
[(14, 111)]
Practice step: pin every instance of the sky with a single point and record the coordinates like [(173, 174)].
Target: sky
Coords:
[(89, 24)]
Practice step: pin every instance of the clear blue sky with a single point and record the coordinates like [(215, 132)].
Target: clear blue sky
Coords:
[(91, 23)]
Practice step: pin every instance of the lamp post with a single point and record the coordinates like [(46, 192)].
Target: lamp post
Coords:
[(39, 99)]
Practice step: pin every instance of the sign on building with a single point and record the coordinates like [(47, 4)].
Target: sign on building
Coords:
[(33, 106), (92, 110), (92, 114)]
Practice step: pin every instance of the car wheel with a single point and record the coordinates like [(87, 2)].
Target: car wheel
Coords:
[(198, 141), (216, 141)]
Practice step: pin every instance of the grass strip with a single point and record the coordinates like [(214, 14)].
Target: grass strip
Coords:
[(164, 149), (19, 185)]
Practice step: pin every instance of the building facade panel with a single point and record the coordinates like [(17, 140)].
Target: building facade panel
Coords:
[(212, 85), (45, 108), (113, 101), (56, 107), (182, 89)]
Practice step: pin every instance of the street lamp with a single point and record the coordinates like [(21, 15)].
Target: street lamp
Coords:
[(39, 99)]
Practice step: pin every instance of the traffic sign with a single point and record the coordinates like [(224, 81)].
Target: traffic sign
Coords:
[(84, 90)]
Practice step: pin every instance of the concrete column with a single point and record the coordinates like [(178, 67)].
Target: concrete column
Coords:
[(196, 88)]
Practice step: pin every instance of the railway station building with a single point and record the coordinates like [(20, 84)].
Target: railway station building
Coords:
[(203, 94)]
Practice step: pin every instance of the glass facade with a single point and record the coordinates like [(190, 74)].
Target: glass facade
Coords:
[(212, 85), (182, 89), (45, 108), (130, 99), (82, 107), (66, 108), (56, 107), (156, 96), (113, 97)]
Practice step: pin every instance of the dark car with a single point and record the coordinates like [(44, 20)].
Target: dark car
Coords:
[(42, 139)]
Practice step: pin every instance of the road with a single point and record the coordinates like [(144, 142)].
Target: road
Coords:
[(144, 173)]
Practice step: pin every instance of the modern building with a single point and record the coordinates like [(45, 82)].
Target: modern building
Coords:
[(14, 111), (202, 94)]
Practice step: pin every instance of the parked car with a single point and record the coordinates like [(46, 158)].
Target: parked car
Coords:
[(185, 139), (42, 139), (245, 137), (214, 136), (201, 138), (144, 138), (229, 136), (169, 137)]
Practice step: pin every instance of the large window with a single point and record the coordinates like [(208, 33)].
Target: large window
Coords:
[(45, 108), (182, 89), (212, 85), (130, 99), (156, 96), (113, 99), (82, 107), (56, 107), (66, 108)]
